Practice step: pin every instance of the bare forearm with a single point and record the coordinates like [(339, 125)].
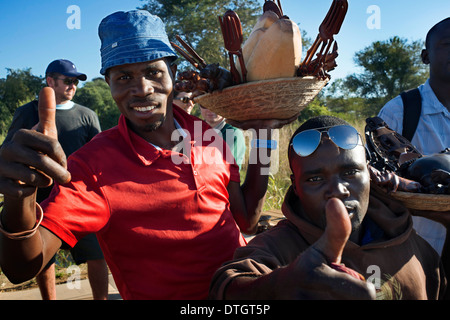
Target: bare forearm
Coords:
[(20, 259), (254, 187)]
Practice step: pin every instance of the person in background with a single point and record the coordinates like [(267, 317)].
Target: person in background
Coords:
[(232, 135), (340, 229), (76, 126), (184, 101), (433, 129)]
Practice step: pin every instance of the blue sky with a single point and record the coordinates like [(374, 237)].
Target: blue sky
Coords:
[(33, 33)]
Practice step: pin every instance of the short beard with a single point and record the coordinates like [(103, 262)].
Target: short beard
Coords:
[(155, 125), (147, 128)]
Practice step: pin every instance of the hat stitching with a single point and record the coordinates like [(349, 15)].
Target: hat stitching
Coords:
[(108, 46), (113, 53), (156, 55), (120, 47)]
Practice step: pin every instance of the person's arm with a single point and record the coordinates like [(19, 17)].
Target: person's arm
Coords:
[(22, 260), (258, 274), (21, 172), (29, 161), (246, 201), (308, 277)]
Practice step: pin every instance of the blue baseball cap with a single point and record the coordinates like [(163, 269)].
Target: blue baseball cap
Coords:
[(66, 68), (132, 37)]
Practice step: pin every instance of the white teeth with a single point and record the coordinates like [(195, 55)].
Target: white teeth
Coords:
[(144, 109), (351, 212)]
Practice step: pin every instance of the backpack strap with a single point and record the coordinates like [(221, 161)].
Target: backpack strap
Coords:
[(412, 108)]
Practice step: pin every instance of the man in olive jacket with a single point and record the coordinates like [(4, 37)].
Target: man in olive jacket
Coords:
[(335, 221)]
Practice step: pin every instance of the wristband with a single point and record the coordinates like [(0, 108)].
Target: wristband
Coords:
[(24, 234), (267, 144)]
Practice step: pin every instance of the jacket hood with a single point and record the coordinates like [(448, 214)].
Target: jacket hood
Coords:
[(388, 214)]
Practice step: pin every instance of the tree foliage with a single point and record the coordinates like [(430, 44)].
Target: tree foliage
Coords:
[(19, 87), (197, 23), (388, 68), (96, 95)]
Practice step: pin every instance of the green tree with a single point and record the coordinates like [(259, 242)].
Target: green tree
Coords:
[(315, 108), (19, 87), (388, 68), (197, 23), (96, 95)]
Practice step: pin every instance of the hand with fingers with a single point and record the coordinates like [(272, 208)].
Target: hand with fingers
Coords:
[(33, 158), (318, 273)]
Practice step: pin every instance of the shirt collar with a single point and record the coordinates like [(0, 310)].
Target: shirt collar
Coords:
[(180, 131), (430, 103), (145, 151), (65, 106)]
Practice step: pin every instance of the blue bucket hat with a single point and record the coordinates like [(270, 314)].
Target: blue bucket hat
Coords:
[(132, 37)]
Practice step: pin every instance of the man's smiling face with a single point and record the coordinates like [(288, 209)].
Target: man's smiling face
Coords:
[(143, 93)]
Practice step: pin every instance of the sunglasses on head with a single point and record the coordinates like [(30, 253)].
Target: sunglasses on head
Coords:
[(306, 142), (68, 81)]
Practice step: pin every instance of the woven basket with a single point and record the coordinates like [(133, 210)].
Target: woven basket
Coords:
[(423, 201), (267, 99)]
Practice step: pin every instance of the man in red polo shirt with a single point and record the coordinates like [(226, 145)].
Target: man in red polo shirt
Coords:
[(167, 207)]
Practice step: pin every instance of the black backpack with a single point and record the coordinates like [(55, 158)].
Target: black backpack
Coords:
[(412, 107)]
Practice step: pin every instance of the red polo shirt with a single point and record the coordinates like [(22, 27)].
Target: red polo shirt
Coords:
[(164, 226)]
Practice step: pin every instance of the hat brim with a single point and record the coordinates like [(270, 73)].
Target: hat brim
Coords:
[(79, 76)]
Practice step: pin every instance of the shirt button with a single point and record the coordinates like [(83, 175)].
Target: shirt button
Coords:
[(195, 173)]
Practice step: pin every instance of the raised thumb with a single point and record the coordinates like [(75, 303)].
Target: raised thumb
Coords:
[(47, 124), (337, 231), (47, 113)]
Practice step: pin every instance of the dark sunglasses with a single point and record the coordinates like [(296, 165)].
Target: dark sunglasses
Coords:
[(306, 142), (184, 99), (69, 81)]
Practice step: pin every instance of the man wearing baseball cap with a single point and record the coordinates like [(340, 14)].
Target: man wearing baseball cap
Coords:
[(167, 207), (76, 126), (66, 68)]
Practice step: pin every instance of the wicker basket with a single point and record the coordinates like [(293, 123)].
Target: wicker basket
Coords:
[(423, 201), (267, 99)]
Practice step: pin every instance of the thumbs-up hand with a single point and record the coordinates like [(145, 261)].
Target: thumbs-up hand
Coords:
[(336, 235), (317, 272), (337, 231), (34, 158)]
